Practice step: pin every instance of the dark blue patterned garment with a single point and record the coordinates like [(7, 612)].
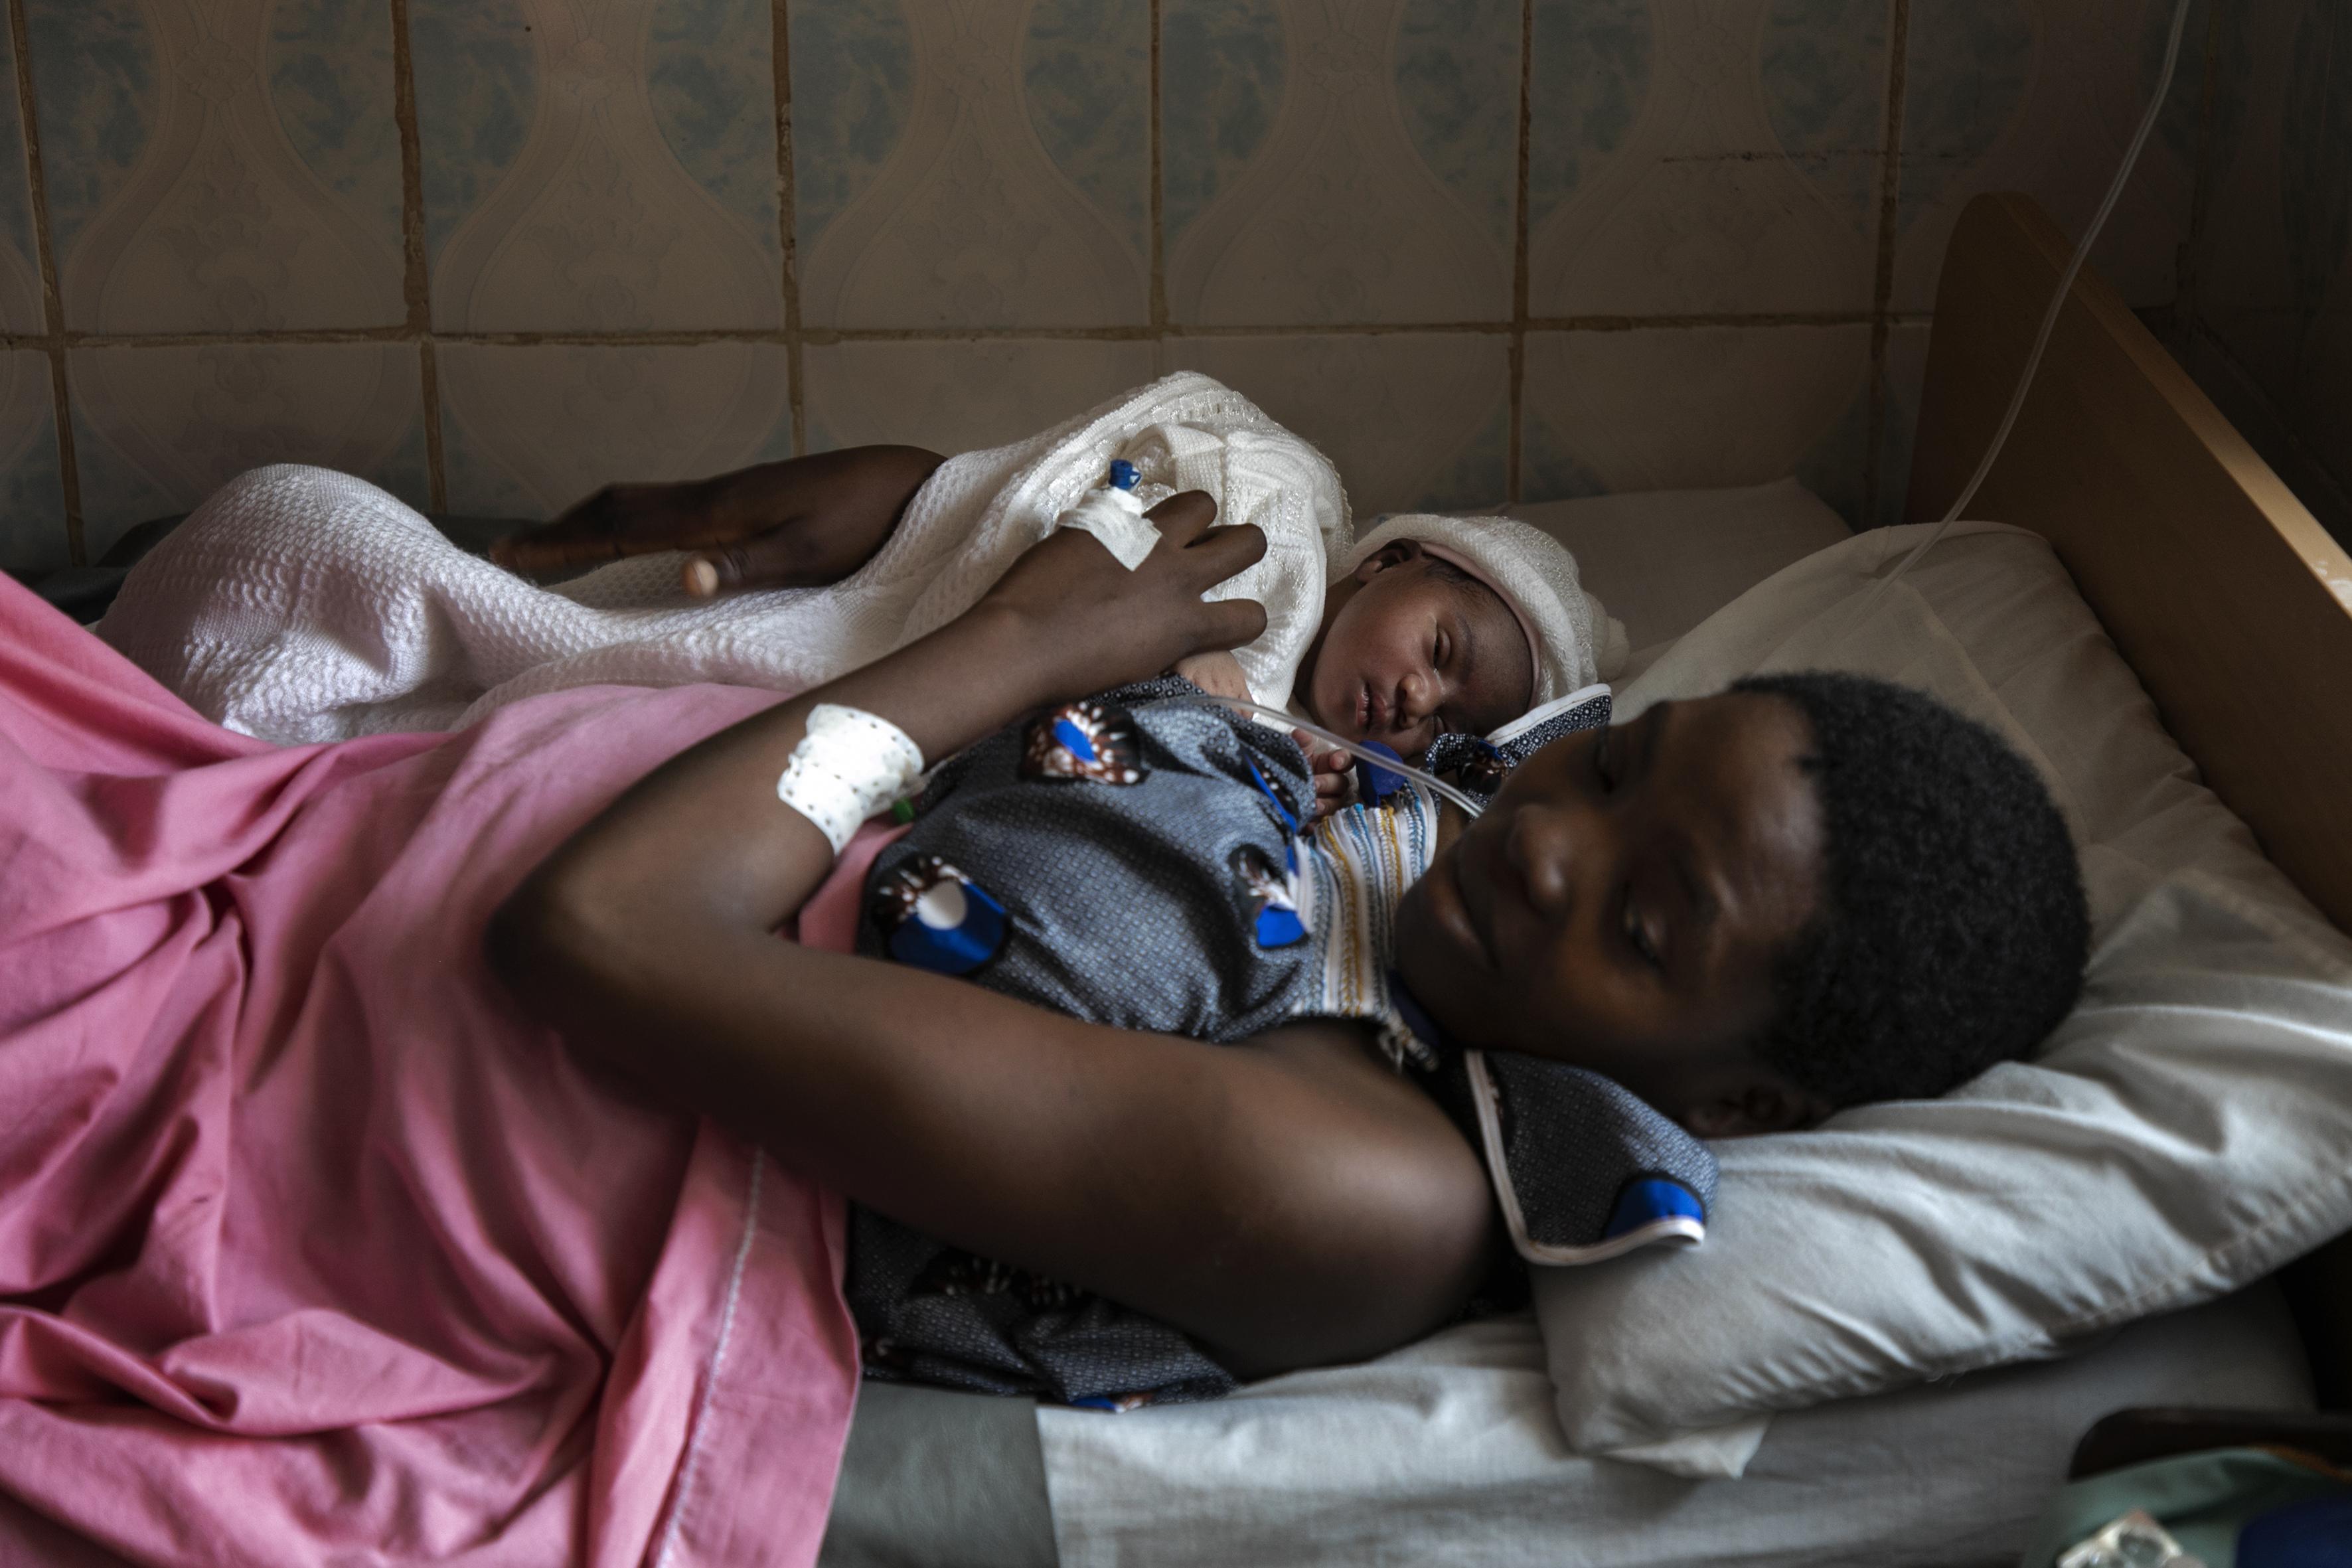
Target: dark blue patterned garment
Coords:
[(1136, 863)]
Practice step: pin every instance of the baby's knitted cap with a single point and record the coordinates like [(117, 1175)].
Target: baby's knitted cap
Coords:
[(1571, 635)]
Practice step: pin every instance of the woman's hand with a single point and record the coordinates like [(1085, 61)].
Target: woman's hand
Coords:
[(797, 524), (704, 830), (1094, 624)]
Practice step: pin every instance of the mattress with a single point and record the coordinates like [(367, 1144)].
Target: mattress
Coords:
[(1448, 1452)]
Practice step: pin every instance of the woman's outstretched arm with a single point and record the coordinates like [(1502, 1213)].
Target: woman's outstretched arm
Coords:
[(1287, 1202), (800, 523)]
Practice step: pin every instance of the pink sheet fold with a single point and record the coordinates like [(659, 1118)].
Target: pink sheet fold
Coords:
[(312, 1247)]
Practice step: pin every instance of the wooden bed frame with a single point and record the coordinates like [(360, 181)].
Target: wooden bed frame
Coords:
[(2222, 592)]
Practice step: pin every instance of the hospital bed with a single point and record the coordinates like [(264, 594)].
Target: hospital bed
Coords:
[(2235, 608)]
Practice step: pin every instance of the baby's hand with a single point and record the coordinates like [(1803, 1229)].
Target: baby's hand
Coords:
[(1333, 771), (1218, 674)]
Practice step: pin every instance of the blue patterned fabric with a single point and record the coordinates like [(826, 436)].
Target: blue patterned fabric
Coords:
[(1141, 866)]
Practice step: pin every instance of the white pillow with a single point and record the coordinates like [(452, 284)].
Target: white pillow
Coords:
[(1713, 544), (2189, 1128)]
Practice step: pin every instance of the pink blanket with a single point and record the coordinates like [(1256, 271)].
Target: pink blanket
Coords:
[(312, 1247)]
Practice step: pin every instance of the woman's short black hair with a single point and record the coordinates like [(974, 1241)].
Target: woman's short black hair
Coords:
[(1953, 930)]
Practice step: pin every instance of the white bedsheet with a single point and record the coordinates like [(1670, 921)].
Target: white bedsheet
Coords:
[(1446, 1454)]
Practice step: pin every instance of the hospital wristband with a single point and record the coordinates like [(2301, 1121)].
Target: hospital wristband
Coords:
[(849, 765)]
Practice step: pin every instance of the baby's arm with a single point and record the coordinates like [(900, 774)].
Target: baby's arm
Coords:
[(801, 523), (1289, 1202), (1219, 674)]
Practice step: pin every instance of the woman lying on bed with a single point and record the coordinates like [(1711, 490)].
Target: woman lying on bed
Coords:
[(286, 1161), (1746, 911)]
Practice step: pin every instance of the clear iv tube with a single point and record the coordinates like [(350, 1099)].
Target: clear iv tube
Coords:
[(2057, 304), (1430, 782)]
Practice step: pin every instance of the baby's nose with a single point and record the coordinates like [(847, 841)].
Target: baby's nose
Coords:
[(1421, 695)]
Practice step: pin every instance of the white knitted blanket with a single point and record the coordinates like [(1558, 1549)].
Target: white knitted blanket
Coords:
[(301, 604)]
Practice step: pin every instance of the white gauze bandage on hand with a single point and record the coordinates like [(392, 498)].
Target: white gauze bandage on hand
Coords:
[(1116, 517), (849, 765)]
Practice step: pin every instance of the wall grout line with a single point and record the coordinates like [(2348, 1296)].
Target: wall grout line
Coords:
[(1156, 301), (53, 340), (675, 337), (1882, 310), (416, 285), (788, 220), (1515, 446)]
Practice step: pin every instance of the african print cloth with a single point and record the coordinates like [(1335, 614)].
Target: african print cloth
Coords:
[(1139, 860)]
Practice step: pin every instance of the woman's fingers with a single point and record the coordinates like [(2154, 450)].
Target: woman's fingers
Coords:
[(1230, 623), (777, 559), (617, 521), (1184, 516), (1220, 552)]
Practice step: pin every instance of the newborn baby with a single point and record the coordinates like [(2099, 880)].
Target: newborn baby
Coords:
[(1443, 626)]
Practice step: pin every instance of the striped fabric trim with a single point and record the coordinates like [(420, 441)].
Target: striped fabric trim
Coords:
[(1354, 866)]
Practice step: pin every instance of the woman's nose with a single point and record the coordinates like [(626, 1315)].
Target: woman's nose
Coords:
[(1542, 849)]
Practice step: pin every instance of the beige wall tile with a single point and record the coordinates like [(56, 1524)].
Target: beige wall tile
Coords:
[(1352, 208), (21, 308), (32, 503), (634, 183), (158, 429), (961, 396), (1688, 407), (219, 165), (2043, 96), (529, 431), (944, 204), (1706, 157), (1414, 421)]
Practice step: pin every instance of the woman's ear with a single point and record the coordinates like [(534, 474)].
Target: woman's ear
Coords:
[(1763, 1105), (1394, 553)]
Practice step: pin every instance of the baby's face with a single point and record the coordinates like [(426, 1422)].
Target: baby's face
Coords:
[(1621, 904), (1408, 653)]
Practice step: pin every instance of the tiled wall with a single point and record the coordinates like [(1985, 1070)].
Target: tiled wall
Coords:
[(2267, 314), (493, 253)]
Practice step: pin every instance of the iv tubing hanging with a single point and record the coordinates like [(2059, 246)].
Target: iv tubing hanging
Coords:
[(2057, 303), (1967, 493)]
